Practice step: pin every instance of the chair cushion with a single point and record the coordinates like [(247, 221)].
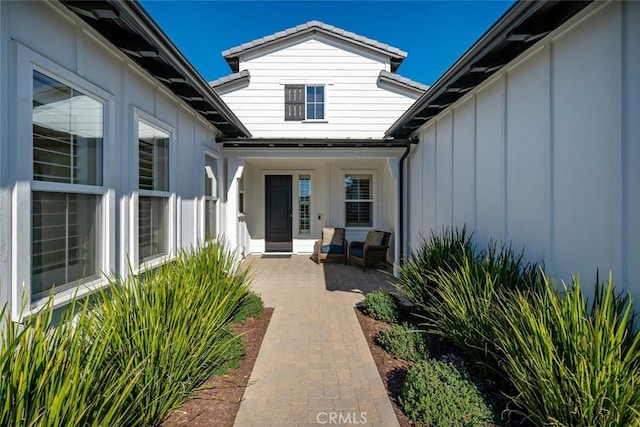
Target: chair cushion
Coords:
[(332, 249), (374, 238), (358, 252), (332, 236)]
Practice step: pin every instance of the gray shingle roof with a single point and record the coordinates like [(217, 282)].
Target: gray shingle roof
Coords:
[(396, 55), (387, 77), (235, 77)]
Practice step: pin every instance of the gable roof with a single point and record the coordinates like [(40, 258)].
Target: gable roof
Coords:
[(128, 27), (402, 82), (395, 55), (231, 81), (521, 26)]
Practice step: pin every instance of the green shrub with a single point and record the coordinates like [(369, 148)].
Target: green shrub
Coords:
[(572, 363), (58, 376), (173, 325), (437, 394), (382, 306), (405, 342), (250, 306), (445, 250), (131, 354), (467, 300)]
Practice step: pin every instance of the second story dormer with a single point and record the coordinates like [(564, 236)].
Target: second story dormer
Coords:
[(316, 81)]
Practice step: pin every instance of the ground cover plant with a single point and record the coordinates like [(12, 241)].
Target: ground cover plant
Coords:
[(405, 342), (133, 353), (382, 306), (251, 305), (440, 394)]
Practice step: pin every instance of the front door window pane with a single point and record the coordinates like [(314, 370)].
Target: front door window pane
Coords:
[(304, 204)]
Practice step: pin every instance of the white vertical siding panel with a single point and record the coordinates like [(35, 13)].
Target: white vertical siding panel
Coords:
[(631, 150), (464, 164), (415, 197), (429, 184), (490, 162), (444, 170), (586, 143), (527, 162)]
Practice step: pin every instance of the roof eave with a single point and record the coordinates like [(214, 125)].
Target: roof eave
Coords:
[(158, 47), (443, 92), (395, 55)]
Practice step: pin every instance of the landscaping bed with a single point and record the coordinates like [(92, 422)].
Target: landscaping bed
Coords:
[(493, 340), (217, 401)]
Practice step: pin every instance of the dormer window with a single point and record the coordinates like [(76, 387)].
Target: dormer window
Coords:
[(304, 102)]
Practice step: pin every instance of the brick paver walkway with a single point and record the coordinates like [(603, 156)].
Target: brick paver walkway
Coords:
[(314, 366)]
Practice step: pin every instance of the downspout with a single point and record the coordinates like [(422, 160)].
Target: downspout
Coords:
[(401, 198)]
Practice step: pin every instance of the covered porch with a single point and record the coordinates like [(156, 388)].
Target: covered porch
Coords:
[(280, 198)]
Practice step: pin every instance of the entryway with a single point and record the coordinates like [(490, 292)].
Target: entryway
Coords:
[(278, 213)]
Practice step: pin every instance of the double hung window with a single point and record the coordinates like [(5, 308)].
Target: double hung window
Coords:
[(210, 197), (68, 137), (358, 200), (153, 184)]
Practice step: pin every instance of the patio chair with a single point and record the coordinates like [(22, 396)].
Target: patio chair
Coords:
[(371, 252), (332, 245)]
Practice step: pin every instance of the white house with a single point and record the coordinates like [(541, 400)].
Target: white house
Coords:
[(108, 148), (317, 100), (533, 137), (114, 150)]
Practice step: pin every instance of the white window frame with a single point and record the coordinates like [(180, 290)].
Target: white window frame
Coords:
[(203, 215), (324, 103), (325, 83), (22, 303), (374, 197), (137, 265)]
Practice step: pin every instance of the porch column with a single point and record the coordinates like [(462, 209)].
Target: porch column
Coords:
[(235, 168)]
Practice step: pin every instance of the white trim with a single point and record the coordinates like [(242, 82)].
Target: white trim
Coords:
[(22, 303), (374, 197)]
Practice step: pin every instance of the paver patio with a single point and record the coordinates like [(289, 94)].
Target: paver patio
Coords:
[(314, 366)]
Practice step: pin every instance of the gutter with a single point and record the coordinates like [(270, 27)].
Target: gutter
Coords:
[(312, 143), (401, 197)]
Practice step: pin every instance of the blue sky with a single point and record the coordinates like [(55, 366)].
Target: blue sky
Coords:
[(434, 33)]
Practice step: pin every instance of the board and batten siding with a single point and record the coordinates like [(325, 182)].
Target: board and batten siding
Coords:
[(546, 155), (355, 106), (64, 44)]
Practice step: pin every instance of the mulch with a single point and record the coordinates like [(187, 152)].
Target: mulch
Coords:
[(217, 401), (391, 370)]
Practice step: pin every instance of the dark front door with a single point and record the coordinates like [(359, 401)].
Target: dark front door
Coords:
[(278, 213)]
